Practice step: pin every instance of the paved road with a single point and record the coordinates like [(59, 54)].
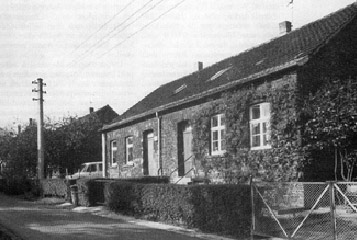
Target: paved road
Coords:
[(34, 221)]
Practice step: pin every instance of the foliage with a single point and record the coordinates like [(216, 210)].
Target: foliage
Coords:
[(241, 161), (72, 144), (92, 191), (221, 209), (53, 187), (19, 154), (67, 145), (15, 186), (332, 124)]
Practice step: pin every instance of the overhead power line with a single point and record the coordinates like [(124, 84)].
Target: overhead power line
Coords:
[(128, 25), (142, 28), (103, 25), (94, 46), (136, 32)]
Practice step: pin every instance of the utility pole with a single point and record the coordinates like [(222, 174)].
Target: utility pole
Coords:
[(40, 140)]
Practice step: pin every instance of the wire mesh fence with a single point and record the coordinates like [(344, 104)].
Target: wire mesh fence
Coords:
[(305, 210)]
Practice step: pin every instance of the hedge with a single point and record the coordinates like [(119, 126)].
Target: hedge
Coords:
[(222, 209), (15, 186), (54, 187), (46, 187), (91, 191)]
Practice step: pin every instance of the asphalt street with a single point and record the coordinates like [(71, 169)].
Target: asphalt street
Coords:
[(34, 221)]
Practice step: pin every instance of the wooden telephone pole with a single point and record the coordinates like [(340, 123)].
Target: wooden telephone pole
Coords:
[(40, 140)]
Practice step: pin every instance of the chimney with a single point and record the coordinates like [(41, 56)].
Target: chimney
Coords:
[(91, 109), (285, 27), (19, 129), (200, 66), (31, 123)]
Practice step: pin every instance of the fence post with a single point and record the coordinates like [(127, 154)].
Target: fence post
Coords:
[(253, 207), (333, 208)]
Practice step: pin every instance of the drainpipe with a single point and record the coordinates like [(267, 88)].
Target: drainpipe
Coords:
[(159, 142), (104, 158)]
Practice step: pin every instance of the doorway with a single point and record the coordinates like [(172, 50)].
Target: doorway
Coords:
[(184, 148), (150, 163)]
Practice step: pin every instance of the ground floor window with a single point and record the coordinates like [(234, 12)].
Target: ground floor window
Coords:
[(129, 150), (218, 141), (113, 152), (260, 126)]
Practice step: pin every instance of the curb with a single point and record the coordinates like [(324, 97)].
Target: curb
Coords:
[(103, 212)]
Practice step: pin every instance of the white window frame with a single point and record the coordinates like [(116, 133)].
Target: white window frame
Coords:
[(113, 151), (127, 147), (264, 118), (220, 126)]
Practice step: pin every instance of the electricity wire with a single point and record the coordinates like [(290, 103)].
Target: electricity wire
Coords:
[(103, 25), (142, 28), (95, 45), (135, 33)]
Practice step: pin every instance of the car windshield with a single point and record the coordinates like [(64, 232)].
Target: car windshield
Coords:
[(83, 168)]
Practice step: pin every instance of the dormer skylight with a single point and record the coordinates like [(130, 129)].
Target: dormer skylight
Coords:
[(259, 62), (219, 73), (183, 86)]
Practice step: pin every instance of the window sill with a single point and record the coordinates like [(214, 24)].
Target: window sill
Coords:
[(128, 165), (218, 154), (260, 148), (113, 165)]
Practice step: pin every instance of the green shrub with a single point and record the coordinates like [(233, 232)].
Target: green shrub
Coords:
[(221, 209), (91, 192), (54, 187), (15, 186), (36, 188)]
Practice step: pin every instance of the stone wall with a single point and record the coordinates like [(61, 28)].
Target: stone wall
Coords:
[(282, 162), (121, 169), (269, 164)]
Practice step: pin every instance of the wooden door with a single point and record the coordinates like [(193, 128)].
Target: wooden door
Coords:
[(184, 149), (150, 163)]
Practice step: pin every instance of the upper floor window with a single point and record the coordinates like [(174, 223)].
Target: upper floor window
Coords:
[(113, 152), (129, 150), (218, 141), (260, 126)]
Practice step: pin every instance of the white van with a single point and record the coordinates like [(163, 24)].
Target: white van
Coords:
[(88, 170)]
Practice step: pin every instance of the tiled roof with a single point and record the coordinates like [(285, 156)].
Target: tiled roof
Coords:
[(105, 114), (285, 51)]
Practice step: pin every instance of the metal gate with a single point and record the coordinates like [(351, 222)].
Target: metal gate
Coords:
[(297, 210)]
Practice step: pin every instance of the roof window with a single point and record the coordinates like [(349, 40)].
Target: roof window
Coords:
[(219, 73), (183, 86), (259, 62)]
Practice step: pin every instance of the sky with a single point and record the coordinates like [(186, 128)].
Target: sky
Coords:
[(91, 53)]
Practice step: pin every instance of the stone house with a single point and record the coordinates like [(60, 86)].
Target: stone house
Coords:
[(238, 117)]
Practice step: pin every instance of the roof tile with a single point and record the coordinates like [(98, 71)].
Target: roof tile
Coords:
[(277, 52)]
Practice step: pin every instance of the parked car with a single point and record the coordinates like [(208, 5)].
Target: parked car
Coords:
[(88, 170)]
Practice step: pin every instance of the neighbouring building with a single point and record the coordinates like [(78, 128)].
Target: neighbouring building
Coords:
[(238, 117), (86, 130)]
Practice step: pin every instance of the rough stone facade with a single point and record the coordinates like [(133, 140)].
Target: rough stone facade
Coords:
[(267, 164), (334, 57), (122, 169)]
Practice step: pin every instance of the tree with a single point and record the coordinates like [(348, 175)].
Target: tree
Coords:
[(67, 146), (332, 124), (19, 153)]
